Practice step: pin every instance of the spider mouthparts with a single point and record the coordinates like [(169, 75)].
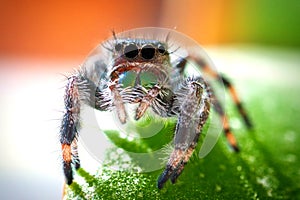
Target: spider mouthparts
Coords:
[(122, 115), (122, 119), (140, 111), (137, 117)]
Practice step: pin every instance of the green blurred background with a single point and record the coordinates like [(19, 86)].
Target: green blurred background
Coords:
[(267, 22)]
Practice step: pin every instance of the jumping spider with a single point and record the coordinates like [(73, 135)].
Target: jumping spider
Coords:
[(100, 83)]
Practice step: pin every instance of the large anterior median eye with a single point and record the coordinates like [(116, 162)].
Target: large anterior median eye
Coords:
[(131, 51), (148, 52)]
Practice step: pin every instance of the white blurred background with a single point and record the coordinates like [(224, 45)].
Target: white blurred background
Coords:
[(30, 104)]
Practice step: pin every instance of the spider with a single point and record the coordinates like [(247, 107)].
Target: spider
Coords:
[(169, 92)]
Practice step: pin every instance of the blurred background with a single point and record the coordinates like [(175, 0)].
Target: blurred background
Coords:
[(55, 29), (40, 40)]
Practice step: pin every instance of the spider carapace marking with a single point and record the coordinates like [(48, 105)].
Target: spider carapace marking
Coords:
[(140, 71)]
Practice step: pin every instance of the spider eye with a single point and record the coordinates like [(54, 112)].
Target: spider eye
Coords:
[(161, 49), (118, 47), (131, 51), (148, 52)]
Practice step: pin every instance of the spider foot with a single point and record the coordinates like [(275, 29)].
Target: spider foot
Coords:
[(68, 173), (173, 169), (177, 173), (163, 178), (77, 164), (170, 173)]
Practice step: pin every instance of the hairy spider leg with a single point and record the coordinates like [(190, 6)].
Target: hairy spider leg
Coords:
[(226, 127), (232, 91), (193, 113), (181, 64), (70, 127), (80, 89), (203, 118)]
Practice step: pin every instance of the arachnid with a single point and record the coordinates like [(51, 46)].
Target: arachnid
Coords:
[(160, 84)]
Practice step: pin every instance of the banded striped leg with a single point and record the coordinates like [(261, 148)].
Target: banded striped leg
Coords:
[(237, 102), (226, 128), (79, 90), (70, 127), (189, 126), (217, 106), (209, 71)]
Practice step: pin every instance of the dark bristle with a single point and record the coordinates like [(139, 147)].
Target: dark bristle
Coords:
[(114, 34)]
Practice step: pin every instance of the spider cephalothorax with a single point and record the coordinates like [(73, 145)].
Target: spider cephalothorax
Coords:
[(135, 70)]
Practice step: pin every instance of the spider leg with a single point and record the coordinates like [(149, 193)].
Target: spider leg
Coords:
[(237, 102), (80, 89), (70, 126), (217, 105), (203, 117), (191, 102), (181, 64), (226, 127), (232, 91)]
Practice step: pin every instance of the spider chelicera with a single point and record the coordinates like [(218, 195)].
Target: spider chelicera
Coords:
[(170, 92)]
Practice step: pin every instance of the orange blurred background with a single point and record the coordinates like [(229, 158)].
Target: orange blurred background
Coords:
[(67, 28)]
